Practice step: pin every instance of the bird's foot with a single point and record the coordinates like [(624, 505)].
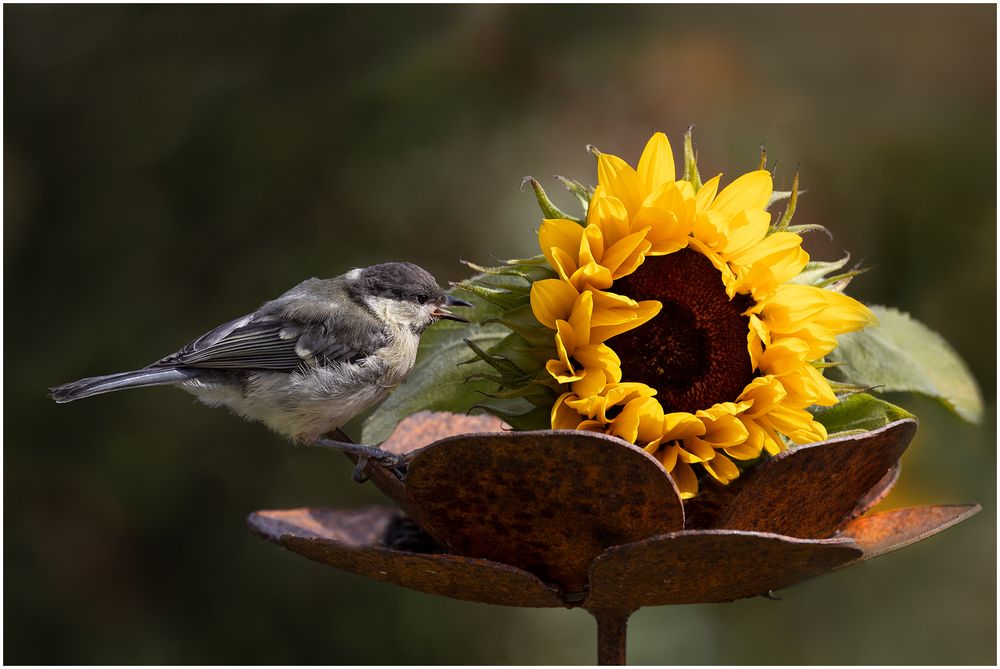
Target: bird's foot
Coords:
[(363, 453)]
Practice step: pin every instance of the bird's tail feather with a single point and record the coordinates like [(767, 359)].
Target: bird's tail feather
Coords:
[(97, 385)]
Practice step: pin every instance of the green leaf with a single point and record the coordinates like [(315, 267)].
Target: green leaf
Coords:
[(902, 354), (438, 381), (777, 196), (691, 160), (583, 193), (549, 210), (859, 413)]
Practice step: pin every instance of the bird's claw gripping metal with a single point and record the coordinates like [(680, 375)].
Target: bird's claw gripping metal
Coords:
[(364, 455)]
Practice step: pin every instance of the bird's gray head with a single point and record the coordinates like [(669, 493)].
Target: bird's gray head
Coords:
[(403, 294)]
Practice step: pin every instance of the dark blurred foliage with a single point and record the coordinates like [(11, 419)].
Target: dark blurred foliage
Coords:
[(168, 168)]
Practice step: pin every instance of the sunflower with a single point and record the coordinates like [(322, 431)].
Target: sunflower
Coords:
[(677, 322)]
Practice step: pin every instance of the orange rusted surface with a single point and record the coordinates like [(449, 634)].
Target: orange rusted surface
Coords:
[(353, 541), (567, 518), (694, 567), (547, 502), (809, 491), (888, 531)]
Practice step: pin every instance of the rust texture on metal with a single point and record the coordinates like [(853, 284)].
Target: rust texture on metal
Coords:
[(417, 431), (713, 499), (352, 541), (887, 531), (809, 491), (704, 566), (548, 502), (878, 493), (612, 627), (566, 518), (426, 427)]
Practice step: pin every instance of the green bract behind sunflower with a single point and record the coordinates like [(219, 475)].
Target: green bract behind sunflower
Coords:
[(681, 316)]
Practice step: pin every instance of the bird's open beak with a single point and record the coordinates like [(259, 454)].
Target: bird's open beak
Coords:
[(441, 312)]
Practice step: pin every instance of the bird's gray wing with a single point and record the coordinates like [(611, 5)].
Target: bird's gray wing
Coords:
[(270, 343)]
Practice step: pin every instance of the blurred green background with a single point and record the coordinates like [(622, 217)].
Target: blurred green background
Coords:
[(169, 168)]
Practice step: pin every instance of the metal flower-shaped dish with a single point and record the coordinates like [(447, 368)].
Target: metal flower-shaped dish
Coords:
[(568, 518)]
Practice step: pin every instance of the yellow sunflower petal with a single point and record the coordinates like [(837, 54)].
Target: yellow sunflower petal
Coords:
[(562, 370), (644, 311), (711, 228), (592, 382), (681, 425), (597, 356), (656, 165), (749, 191), (807, 387), (765, 392), (757, 337), (694, 450), (624, 256), (747, 229), (784, 356), (611, 309), (845, 314), (551, 300), (591, 277), (669, 213), (797, 424), (580, 318), (772, 247), (640, 420), (791, 306), (566, 340), (706, 194), (667, 456), (620, 180), (559, 233), (765, 275), (722, 427), (564, 264), (610, 216), (591, 245), (563, 373), (748, 450), (721, 468), (684, 479), (563, 416), (762, 437)]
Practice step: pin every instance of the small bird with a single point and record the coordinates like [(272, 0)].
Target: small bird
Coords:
[(307, 362)]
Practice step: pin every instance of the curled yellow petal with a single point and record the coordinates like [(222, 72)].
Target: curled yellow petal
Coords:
[(552, 300), (620, 181)]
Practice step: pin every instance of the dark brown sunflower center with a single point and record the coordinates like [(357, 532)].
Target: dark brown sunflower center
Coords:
[(694, 352)]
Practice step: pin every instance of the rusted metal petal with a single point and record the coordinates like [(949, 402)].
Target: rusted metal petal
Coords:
[(425, 427), (546, 501), (809, 491), (419, 430), (887, 531), (703, 566), (352, 540), (878, 492)]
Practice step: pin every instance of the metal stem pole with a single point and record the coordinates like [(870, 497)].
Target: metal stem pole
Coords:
[(611, 635)]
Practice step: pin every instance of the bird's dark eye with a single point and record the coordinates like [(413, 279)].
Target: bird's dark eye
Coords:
[(422, 298)]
